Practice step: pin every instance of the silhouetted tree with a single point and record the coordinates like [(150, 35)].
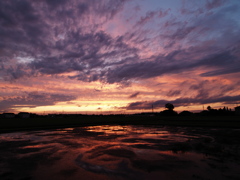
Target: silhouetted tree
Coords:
[(169, 106), (169, 111), (209, 108)]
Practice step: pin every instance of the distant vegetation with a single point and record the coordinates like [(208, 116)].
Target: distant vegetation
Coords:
[(225, 111), (169, 111), (224, 118)]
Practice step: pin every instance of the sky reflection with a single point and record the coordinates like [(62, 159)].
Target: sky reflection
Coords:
[(120, 152)]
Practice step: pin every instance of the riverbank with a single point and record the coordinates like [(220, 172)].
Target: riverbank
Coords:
[(18, 124)]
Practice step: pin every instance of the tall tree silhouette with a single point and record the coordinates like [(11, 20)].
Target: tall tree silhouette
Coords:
[(169, 106), (169, 111), (209, 108)]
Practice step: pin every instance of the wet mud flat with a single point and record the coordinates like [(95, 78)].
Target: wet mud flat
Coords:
[(121, 152)]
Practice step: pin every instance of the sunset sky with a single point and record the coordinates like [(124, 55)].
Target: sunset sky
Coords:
[(118, 56)]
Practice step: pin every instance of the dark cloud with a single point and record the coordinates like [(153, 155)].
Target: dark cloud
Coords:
[(151, 15), (211, 88), (56, 3), (168, 65), (101, 40), (58, 40), (134, 95), (139, 105), (12, 14), (181, 33), (206, 92), (33, 99), (235, 68), (219, 59), (141, 70), (146, 105), (145, 19), (173, 93), (215, 4), (13, 72), (58, 37)]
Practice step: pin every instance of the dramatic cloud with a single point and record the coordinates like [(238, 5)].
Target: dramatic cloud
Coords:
[(168, 65), (60, 40), (120, 43)]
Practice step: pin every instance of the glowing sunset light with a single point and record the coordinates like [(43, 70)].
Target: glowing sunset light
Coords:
[(118, 56)]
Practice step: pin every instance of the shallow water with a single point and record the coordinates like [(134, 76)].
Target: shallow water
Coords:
[(121, 152)]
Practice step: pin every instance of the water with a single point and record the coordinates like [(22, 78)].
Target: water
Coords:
[(121, 152)]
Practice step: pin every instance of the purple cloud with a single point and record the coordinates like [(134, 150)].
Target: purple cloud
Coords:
[(33, 99), (172, 93), (151, 15), (104, 41), (134, 95), (215, 4), (146, 105), (60, 40), (167, 65)]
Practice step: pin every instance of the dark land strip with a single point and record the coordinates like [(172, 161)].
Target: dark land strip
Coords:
[(39, 123)]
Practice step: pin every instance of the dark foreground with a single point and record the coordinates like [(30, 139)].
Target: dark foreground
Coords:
[(18, 124), (121, 152)]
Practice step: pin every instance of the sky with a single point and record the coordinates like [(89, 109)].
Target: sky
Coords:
[(118, 56)]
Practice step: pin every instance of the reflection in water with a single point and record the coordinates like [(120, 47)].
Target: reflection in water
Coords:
[(121, 152)]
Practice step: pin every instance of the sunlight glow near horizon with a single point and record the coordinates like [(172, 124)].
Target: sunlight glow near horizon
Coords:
[(111, 108)]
